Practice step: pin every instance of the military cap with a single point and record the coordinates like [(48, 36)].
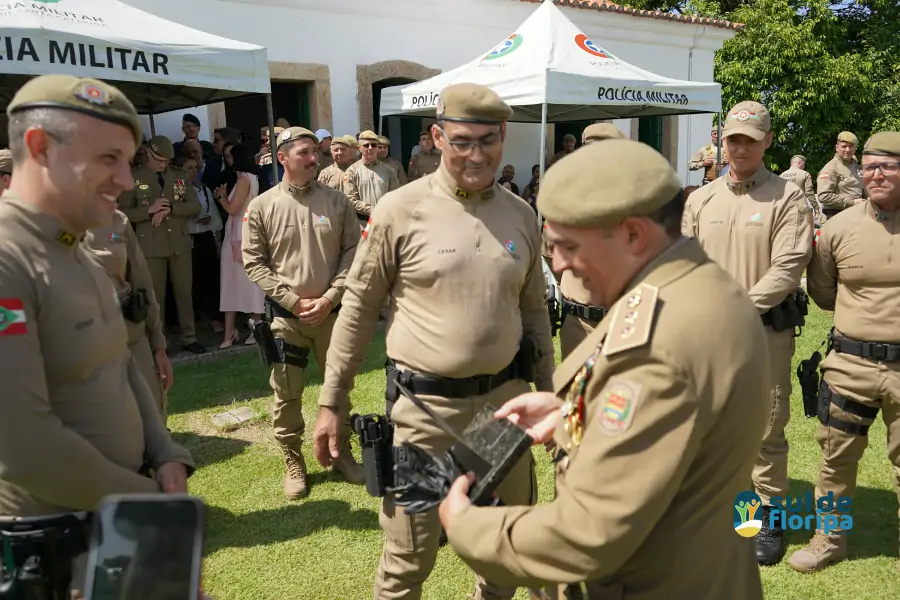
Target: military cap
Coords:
[(368, 135), (635, 181), (340, 140), (798, 157), (384, 141), (295, 133), (283, 123), (882, 143), (847, 136), (602, 131), (5, 161), (748, 118), (569, 136), (714, 129), (350, 141), (162, 146), (88, 96), (189, 118), (472, 103)]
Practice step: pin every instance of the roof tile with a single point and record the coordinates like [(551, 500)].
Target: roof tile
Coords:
[(603, 5)]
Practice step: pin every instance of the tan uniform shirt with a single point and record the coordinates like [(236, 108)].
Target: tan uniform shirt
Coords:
[(424, 163), (325, 161), (572, 288), (397, 166), (699, 158), (465, 281), (803, 180), (172, 237), (839, 184), (77, 419), (365, 184), (855, 272), (299, 243), (333, 176), (671, 429), (117, 248), (759, 230)]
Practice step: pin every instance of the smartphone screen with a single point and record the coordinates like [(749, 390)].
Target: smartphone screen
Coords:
[(146, 549)]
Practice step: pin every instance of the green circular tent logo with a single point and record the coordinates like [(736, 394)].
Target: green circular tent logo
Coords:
[(507, 47)]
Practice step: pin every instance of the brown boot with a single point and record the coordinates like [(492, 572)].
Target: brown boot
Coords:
[(348, 467), (295, 486), (822, 551)]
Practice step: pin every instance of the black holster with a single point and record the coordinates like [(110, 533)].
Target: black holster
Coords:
[(557, 316), (808, 376), (376, 438), (272, 349), (790, 314), (134, 306), (827, 397)]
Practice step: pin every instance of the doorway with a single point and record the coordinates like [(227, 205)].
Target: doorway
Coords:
[(402, 131), (290, 100), (560, 130)]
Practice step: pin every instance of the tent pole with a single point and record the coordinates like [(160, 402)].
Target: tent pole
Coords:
[(272, 141), (719, 145), (152, 126), (543, 158)]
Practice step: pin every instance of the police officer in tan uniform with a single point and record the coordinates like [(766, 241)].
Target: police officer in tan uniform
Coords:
[(298, 244), (160, 205), (6, 165), (264, 157), (344, 154), (459, 258), (705, 158), (427, 160), (77, 421), (798, 174), (384, 146), (667, 418), (839, 185), (368, 179), (758, 227), (117, 248), (855, 273)]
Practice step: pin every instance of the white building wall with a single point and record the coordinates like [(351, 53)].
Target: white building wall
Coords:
[(438, 34)]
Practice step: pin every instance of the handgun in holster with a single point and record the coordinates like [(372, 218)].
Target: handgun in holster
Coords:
[(527, 359), (808, 376), (789, 314), (376, 438), (272, 349), (134, 306)]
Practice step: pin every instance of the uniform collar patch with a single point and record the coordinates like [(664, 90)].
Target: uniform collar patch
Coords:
[(65, 238)]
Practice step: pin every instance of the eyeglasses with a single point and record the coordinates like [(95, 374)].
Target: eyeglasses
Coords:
[(368, 145), (887, 168), (466, 147)]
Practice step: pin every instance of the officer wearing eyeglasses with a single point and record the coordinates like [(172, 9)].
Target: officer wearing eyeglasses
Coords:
[(855, 272), (459, 258), (369, 178)]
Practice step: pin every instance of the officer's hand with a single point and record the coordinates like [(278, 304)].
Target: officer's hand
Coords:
[(172, 476), (159, 204), (536, 412), (457, 500), (315, 312), (164, 368), (161, 215), (325, 436), (709, 161)]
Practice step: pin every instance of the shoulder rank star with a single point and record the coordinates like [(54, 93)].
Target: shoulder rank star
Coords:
[(573, 407)]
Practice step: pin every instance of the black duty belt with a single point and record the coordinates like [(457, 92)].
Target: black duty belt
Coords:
[(363, 216), (586, 312), (433, 385), (283, 313), (870, 350)]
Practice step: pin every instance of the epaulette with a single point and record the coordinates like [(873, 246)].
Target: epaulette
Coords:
[(632, 321)]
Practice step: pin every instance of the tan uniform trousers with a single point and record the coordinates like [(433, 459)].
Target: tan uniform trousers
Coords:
[(143, 357), (180, 269), (770, 472), (411, 542), (573, 331), (870, 383), (288, 381)]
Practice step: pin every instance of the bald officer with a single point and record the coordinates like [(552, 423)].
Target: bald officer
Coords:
[(798, 174), (579, 315), (854, 274), (298, 244), (160, 204), (77, 421), (757, 226), (653, 418), (427, 160), (450, 248), (367, 180), (839, 185), (705, 158), (344, 155), (384, 147), (6, 165), (117, 248)]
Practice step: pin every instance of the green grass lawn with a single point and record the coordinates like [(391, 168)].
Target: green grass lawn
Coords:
[(326, 547)]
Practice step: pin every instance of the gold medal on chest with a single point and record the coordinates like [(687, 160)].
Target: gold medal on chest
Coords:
[(573, 409)]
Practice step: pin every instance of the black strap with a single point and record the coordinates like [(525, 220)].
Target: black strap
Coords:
[(291, 354), (432, 385), (828, 397), (362, 216), (161, 180), (586, 312), (870, 350), (282, 313)]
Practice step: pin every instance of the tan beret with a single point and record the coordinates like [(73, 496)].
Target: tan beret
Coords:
[(368, 135), (88, 96), (798, 157), (162, 146), (295, 133), (748, 118), (283, 123), (5, 161), (472, 103), (343, 141), (884, 143), (278, 131), (602, 131), (351, 141), (634, 181), (847, 136), (384, 141)]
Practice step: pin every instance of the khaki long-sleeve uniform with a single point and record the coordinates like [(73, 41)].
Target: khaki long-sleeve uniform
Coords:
[(698, 161), (760, 231), (118, 250), (333, 176), (397, 166), (366, 184), (671, 423), (803, 180), (464, 280), (839, 185), (424, 163), (77, 420)]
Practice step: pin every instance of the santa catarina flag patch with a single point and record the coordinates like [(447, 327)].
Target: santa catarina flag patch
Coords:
[(12, 317)]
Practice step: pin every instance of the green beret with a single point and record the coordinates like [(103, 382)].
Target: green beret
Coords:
[(472, 103), (600, 185), (602, 131), (295, 133), (847, 136), (368, 135), (88, 96), (884, 143), (5, 161), (748, 118), (162, 146)]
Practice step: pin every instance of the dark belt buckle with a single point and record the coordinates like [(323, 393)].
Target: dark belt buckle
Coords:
[(875, 351)]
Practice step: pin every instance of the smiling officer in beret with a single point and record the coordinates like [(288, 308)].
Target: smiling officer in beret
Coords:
[(839, 185), (6, 165), (656, 424), (367, 180), (458, 257), (384, 147)]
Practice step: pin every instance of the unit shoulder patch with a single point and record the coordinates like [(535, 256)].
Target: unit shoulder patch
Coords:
[(617, 404), (632, 321)]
